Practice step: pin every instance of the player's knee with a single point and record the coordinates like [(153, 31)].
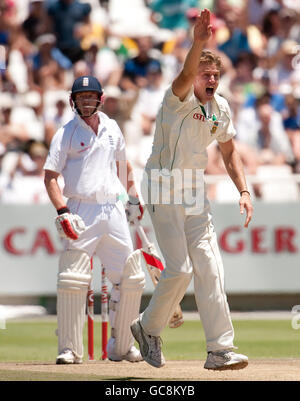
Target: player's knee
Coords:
[(180, 276), (75, 261), (74, 269), (133, 275)]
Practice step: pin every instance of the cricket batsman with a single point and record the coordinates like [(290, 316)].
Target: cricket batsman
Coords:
[(191, 116), (89, 152)]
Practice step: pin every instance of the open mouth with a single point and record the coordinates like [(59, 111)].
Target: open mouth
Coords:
[(209, 91)]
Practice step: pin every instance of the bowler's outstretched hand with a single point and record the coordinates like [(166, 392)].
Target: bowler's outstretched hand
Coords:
[(246, 204), (202, 27)]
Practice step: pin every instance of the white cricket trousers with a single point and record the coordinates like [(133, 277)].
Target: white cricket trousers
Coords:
[(189, 246)]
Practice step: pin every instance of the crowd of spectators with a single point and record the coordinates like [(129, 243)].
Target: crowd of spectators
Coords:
[(135, 48)]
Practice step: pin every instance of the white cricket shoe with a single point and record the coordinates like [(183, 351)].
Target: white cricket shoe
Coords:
[(150, 346), (225, 360), (133, 355), (67, 357)]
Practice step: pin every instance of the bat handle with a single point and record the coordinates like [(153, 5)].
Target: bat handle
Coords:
[(142, 234)]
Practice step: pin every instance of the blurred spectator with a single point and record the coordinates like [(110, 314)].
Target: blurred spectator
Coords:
[(28, 173), (171, 14), (290, 24), (272, 31), (262, 128), (291, 119), (56, 118), (292, 125), (284, 76), (22, 121), (46, 44), (104, 64), (48, 64), (135, 69), (150, 97), (80, 68), (37, 22), (118, 105), (242, 84), (265, 87), (257, 9), (279, 26), (237, 41), (12, 133), (139, 129), (66, 16)]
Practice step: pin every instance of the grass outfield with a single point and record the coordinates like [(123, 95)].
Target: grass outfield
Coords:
[(36, 341)]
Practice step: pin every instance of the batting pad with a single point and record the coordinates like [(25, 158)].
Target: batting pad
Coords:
[(72, 286), (131, 290)]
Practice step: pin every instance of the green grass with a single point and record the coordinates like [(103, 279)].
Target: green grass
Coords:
[(255, 338), (36, 340)]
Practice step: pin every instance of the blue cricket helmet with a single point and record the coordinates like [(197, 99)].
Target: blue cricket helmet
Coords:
[(86, 83)]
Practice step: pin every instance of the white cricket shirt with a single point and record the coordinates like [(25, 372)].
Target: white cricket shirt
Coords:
[(87, 161), (183, 132), (184, 129)]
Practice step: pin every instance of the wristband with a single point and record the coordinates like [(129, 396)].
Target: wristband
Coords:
[(245, 191), (63, 210)]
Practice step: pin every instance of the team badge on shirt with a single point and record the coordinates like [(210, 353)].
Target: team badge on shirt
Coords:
[(215, 124), (212, 119)]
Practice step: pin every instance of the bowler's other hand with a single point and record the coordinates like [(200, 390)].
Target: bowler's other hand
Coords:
[(202, 27), (246, 204), (134, 209)]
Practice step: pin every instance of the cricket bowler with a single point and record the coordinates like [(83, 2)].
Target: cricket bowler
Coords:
[(191, 116)]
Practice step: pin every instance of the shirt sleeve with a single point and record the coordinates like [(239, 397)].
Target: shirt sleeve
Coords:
[(120, 149), (228, 131), (173, 102), (57, 155)]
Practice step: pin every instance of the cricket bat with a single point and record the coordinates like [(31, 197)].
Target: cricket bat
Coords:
[(155, 267)]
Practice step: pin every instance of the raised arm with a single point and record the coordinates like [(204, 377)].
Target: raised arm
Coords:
[(202, 32)]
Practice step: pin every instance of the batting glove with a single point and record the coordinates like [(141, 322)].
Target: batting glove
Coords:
[(69, 225), (134, 210)]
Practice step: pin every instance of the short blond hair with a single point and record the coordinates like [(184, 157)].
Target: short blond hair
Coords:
[(208, 57)]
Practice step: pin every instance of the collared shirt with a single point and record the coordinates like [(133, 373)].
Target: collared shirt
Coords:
[(87, 161), (174, 173), (183, 131)]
